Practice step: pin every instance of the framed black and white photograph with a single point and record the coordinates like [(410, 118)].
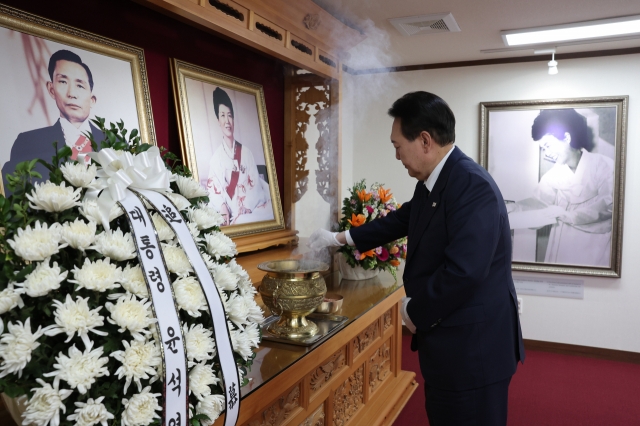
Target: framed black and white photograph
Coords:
[(560, 166), (226, 144), (55, 80)]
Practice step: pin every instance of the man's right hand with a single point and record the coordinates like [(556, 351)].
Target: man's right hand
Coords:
[(322, 238)]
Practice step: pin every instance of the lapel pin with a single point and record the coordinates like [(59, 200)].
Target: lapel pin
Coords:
[(433, 205)]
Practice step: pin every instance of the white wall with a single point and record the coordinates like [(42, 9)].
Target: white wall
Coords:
[(609, 314)]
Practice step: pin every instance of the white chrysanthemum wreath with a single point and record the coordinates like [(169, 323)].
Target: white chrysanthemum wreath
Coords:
[(78, 334)]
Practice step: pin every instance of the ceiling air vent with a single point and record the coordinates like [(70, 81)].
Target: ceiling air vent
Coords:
[(425, 24)]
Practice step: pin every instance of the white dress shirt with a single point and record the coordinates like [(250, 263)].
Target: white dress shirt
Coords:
[(72, 133)]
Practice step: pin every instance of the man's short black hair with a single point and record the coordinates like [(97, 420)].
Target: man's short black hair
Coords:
[(220, 97), (424, 111), (557, 122), (67, 55)]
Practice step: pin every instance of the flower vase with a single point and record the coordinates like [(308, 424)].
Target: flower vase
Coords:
[(355, 272)]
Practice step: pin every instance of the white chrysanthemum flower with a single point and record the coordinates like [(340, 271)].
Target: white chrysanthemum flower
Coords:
[(204, 216), (133, 281), (53, 198), (177, 260), (115, 244), (244, 340), (141, 408), (211, 406), (37, 243), (238, 270), (255, 315), (44, 406), (209, 261), (247, 288), (178, 200), (224, 278), (78, 234), (189, 296), (9, 299), (165, 233), (80, 369), (240, 343), (252, 334), (140, 360), (200, 378), (189, 188), (79, 174), (73, 317), (219, 245), (89, 209), (91, 413), (195, 232), (16, 347), (199, 343), (43, 279), (237, 309), (130, 314), (100, 275)]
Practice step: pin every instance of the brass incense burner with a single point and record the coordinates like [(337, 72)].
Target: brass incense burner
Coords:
[(292, 289)]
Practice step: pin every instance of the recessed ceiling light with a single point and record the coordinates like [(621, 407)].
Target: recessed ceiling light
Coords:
[(600, 29)]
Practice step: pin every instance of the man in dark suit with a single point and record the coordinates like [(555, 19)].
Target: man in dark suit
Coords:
[(461, 302), (71, 87)]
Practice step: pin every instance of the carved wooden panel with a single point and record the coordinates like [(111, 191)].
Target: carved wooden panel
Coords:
[(323, 373), (314, 100), (386, 320), (379, 366), (364, 339), (279, 411), (348, 398), (315, 419)]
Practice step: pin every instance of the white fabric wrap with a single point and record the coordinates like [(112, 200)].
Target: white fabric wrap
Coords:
[(121, 170), (230, 377), (176, 392)]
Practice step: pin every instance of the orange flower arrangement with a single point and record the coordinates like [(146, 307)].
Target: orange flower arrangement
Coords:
[(356, 221), (363, 195), (360, 208), (370, 253), (385, 194)]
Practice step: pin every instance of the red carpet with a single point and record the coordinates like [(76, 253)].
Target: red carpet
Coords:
[(554, 390)]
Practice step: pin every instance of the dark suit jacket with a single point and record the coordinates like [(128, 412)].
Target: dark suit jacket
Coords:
[(39, 144), (458, 275)]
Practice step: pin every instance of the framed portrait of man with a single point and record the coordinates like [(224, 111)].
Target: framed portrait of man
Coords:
[(56, 79), (560, 165), (226, 144)]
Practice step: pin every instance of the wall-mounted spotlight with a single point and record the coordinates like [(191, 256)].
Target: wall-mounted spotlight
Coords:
[(553, 64)]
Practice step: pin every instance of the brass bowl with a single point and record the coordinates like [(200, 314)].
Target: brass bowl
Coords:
[(292, 289), (331, 304)]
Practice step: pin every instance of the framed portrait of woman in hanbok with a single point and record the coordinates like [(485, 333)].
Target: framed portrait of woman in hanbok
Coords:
[(226, 144), (58, 79), (560, 165)]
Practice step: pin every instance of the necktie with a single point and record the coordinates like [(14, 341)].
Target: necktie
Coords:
[(82, 146)]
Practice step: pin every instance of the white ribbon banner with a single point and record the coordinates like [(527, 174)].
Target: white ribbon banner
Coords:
[(230, 376), (176, 391)]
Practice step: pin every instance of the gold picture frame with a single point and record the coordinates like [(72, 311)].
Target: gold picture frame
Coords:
[(202, 141), (562, 154), (117, 70)]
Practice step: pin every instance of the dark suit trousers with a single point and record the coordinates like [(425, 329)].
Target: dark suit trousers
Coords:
[(485, 406)]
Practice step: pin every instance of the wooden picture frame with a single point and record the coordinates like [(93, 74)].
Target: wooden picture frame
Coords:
[(560, 165), (33, 107), (223, 119)]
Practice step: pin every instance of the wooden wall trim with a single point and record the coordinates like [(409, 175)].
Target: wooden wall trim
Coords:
[(497, 61), (586, 351)]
